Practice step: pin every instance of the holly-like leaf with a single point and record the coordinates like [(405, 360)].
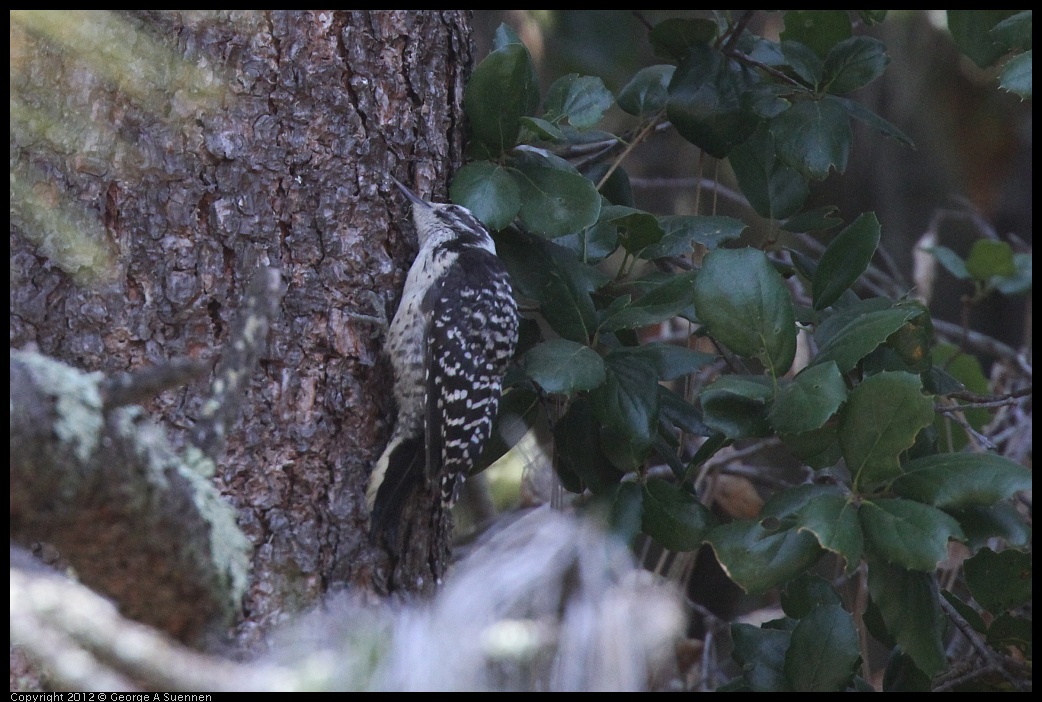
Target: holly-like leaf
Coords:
[(774, 189), (971, 30), (833, 521), (845, 259), (806, 592), (823, 651), (881, 419), (736, 406), (809, 400), (662, 302), (555, 199), (672, 517), (1016, 75), (909, 534), (582, 100), (854, 337), (647, 93), (999, 581), (813, 136), (669, 361), (854, 63), (502, 89), (679, 231), (489, 191), (761, 652), (626, 405), (959, 480), (707, 102), (564, 367), (745, 304), (909, 605), (818, 29), (756, 558)]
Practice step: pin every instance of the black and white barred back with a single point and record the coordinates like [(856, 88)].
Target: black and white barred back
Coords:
[(450, 343)]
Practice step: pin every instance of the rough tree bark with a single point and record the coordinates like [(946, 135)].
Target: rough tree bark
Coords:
[(185, 150)]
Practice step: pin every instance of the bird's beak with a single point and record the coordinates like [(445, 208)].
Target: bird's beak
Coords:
[(413, 197)]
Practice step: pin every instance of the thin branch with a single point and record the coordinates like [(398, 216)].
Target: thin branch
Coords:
[(992, 657)]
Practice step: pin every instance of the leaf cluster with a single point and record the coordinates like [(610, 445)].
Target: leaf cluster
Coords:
[(860, 414)]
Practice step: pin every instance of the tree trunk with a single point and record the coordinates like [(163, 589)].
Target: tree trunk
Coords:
[(160, 160)]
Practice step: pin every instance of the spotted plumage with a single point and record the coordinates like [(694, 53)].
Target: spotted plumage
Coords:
[(450, 343)]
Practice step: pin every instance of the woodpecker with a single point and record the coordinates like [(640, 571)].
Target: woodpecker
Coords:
[(449, 343)]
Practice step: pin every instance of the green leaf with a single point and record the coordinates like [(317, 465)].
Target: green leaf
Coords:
[(638, 229), (664, 301), (707, 101), (814, 220), (813, 136), (854, 63), (871, 119), (845, 259), (950, 260), (746, 305), (626, 405), (1016, 75), (861, 335), (582, 100), (809, 400), (578, 452), (672, 38), (757, 559), (647, 93), (564, 367), (804, 62), (505, 36), (669, 361), (805, 593), (1014, 32), (833, 521), (672, 517), (880, 420), (626, 511), (909, 534), (761, 652), (1020, 282), (823, 652), (910, 608), (736, 406), (818, 29), (774, 190), (990, 258), (826, 512), (502, 89), (999, 581), (1001, 520), (552, 275), (676, 411), (542, 129), (680, 230), (958, 480), (1009, 631), (555, 199), (971, 30), (818, 448), (489, 191)]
